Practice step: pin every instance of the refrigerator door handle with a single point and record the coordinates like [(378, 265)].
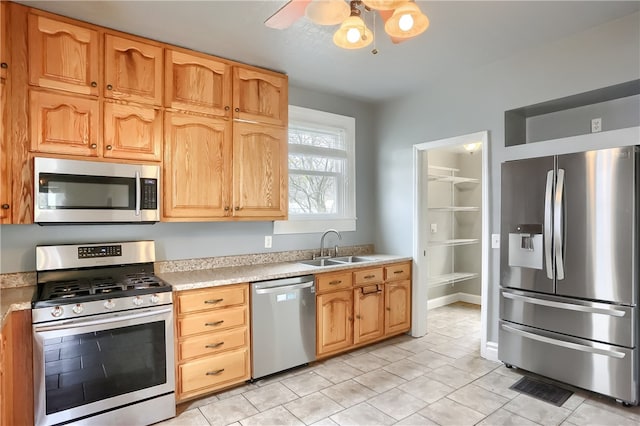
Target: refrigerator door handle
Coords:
[(547, 224), (558, 225), (563, 305), (562, 343)]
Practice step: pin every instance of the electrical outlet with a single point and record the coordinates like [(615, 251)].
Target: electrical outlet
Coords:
[(268, 241), (434, 228), (495, 240), (596, 125)]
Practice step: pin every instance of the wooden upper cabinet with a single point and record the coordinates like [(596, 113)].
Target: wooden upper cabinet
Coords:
[(260, 96), (132, 70), (197, 167), (63, 124), (197, 83), (63, 56), (132, 132), (259, 171), (4, 44), (5, 150)]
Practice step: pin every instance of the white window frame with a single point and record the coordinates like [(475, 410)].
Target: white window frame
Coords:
[(325, 120)]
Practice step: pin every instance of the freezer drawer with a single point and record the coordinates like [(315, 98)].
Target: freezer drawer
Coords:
[(606, 369), (602, 322)]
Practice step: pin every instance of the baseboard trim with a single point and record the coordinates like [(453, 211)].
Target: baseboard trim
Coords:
[(452, 298), (490, 351)]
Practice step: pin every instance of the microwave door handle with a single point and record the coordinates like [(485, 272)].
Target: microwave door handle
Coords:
[(138, 193)]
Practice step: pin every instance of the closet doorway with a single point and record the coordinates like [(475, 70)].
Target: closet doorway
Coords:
[(451, 239)]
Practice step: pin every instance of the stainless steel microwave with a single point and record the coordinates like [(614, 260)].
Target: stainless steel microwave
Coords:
[(73, 191)]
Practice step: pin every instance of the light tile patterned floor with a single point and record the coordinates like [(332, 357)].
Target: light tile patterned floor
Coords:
[(438, 379)]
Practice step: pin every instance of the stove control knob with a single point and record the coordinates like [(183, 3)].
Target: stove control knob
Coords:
[(138, 301), (109, 304), (78, 309), (57, 311), (155, 298)]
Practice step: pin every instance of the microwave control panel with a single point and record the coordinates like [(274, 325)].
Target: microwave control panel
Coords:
[(99, 251), (149, 194)]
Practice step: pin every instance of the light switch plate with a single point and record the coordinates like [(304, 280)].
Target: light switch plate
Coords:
[(495, 240)]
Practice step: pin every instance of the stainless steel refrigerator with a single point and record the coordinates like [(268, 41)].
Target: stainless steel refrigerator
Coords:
[(569, 269)]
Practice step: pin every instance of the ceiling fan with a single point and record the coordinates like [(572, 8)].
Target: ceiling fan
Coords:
[(402, 19)]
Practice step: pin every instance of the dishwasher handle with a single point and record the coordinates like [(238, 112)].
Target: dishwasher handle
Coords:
[(279, 289)]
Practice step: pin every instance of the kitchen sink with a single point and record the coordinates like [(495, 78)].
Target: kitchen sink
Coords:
[(352, 259), (336, 261)]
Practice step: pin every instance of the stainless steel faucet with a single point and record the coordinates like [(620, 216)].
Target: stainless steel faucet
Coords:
[(322, 240)]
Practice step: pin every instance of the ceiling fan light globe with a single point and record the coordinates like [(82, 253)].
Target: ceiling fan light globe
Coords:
[(364, 35), (327, 12), (384, 4), (405, 22), (420, 21)]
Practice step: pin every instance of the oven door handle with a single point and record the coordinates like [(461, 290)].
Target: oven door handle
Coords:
[(138, 193), (80, 323)]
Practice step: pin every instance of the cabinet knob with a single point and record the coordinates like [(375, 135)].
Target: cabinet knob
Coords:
[(94, 146), (388, 309), (94, 84), (237, 110), (4, 65), (109, 147), (237, 208), (227, 208), (5, 206), (109, 87), (227, 108)]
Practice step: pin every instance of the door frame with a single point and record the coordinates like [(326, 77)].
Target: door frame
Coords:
[(419, 317)]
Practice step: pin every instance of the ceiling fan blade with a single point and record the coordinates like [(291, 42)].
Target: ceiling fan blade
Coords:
[(386, 14), (287, 14)]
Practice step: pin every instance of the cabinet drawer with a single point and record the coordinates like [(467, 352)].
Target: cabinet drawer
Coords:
[(213, 343), (214, 371), (366, 276), (219, 319), (212, 298), (401, 271), (336, 281)]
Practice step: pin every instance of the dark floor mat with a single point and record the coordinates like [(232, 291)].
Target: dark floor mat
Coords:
[(543, 391)]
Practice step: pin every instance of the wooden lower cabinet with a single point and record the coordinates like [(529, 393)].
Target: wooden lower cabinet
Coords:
[(334, 321), (368, 304), (361, 306), (16, 370), (213, 339)]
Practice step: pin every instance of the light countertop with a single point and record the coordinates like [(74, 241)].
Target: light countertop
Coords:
[(15, 299)]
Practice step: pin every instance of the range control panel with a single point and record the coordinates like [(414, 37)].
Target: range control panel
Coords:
[(100, 251)]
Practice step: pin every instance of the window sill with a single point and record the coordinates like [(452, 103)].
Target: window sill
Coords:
[(312, 226)]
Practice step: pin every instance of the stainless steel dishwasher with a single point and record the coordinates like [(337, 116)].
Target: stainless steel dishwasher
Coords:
[(283, 324)]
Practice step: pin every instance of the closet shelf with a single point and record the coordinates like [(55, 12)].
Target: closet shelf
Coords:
[(454, 209), (438, 280), (456, 242), (453, 179)]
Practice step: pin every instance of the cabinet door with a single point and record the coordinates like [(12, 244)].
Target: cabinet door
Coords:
[(334, 321), (63, 56), (368, 306), (197, 167), (63, 124), (398, 307), (259, 171), (132, 132), (133, 70), (260, 96), (196, 83), (5, 151)]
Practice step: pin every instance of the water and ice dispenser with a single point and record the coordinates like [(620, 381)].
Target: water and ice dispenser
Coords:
[(526, 246)]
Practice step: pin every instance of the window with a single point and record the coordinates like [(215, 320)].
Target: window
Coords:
[(321, 172)]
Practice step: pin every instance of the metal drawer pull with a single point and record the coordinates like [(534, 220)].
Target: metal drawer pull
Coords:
[(367, 277), (334, 282), (214, 345), (398, 272), (377, 290), (213, 324), (213, 301), (215, 373), (562, 305), (563, 344)]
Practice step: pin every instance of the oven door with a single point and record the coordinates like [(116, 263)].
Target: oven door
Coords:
[(87, 366), (72, 191)]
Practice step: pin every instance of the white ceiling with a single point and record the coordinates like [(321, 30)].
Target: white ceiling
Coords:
[(463, 34)]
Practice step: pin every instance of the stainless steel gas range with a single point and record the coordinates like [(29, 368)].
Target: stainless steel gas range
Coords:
[(103, 336)]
